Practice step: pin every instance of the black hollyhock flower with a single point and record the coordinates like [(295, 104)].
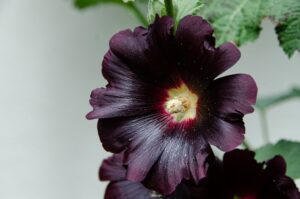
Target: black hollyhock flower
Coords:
[(163, 103), (240, 176), (113, 170)]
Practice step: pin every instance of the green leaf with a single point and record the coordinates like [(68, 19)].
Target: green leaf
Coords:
[(186, 7), (129, 4), (235, 20), (288, 28), (287, 149), (267, 102), (155, 7), (239, 20), (89, 3), (181, 8)]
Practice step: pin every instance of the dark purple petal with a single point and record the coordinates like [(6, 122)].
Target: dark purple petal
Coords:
[(241, 176), (125, 94), (142, 137), (195, 46), (200, 61), (232, 94), (276, 166), (189, 190), (191, 33), (241, 164), (127, 190), (225, 102), (143, 152), (147, 52), (111, 102), (226, 56), (112, 169), (117, 133), (184, 157), (279, 187), (242, 172), (223, 134), (177, 153)]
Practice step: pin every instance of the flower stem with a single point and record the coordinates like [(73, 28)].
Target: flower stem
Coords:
[(138, 13), (264, 125), (169, 7)]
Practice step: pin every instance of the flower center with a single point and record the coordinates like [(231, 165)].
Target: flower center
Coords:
[(181, 103)]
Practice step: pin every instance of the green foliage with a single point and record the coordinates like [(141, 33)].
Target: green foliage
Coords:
[(181, 8), (186, 7), (155, 7), (89, 3), (287, 149), (128, 4), (288, 28), (239, 20), (234, 20), (267, 102)]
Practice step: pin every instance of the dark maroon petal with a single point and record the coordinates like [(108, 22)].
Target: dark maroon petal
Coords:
[(147, 52), (112, 169), (142, 137), (117, 133), (223, 134), (116, 72), (127, 190), (195, 46), (188, 190), (111, 102), (241, 176), (241, 163), (192, 31), (276, 166), (231, 95), (279, 187), (226, 135), (226, 56), (225, 102), (125, 94), (143, 151), (149, 140), (242, 172), (200, 61), (184, 157)]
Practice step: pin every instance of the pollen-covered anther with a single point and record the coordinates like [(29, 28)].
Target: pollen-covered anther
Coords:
[(181, 103), (178, 105)]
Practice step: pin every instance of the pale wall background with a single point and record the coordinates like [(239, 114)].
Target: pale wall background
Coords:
[(50, 56)]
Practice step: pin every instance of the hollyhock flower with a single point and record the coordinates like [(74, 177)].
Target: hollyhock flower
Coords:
[(240, 176), (113, 170), (163, 103)]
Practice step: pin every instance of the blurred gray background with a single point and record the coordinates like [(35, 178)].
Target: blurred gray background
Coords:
[(50, 59)]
